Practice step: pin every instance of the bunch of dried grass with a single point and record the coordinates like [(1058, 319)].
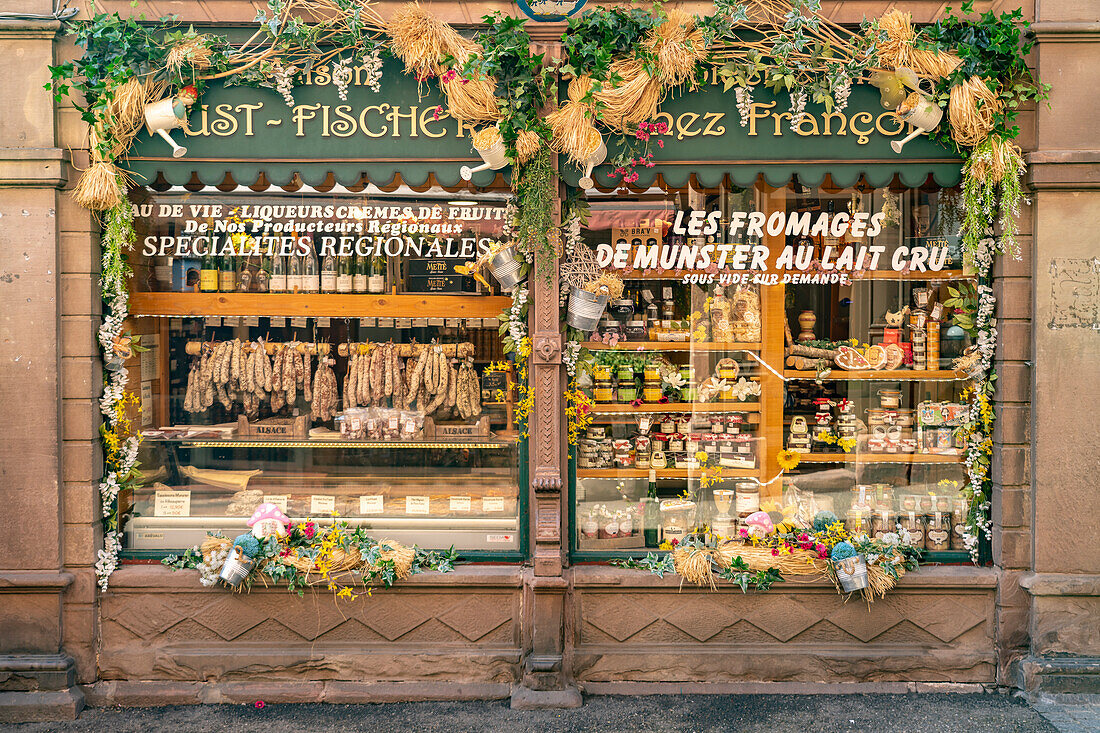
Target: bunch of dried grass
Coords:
[(98, 188), (971, 111), (193, 53), (571, 124), (486, 138), (472, 100), (527, 144), (634, 99), (401, 555), (1004, 158), (694, 564), (898, 49), (678, 46), (422, 41), (605, 284), (797, 562)]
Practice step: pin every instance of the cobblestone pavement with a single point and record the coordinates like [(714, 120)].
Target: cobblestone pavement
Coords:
[(1078, 715), (870, 713)]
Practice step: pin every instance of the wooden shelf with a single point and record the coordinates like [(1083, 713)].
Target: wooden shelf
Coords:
[(879, 458), (313, 305), (664, 473), (891, 275), (684, 407), (627, 346), (881, 375)]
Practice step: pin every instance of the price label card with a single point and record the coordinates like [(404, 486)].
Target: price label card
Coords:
[(385, 322), (322, 322), (460, 503), (490, 323), (167, 503), (644, 424), (367, 322), (371, 504), (473, 323), (453, 322), (252, 321), (435, 321), (322, 504), (146, 403), (298, 322), (402, 323), (416, 504), (175, 324), (278, 322), (231, 321), (492, 504), (279, 500), (213, 321)]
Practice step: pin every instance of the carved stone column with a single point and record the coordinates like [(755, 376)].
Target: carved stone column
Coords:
[(545, 683)]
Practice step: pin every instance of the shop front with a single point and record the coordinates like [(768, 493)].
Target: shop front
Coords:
[(397, 441)]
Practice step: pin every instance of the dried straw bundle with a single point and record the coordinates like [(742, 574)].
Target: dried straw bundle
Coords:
[(472, 100), (422, 41), (898, 50), (571, 124), (693, 564), (486, 138), (634, 99), (798, 562), (1004, 158), (605, 284), (98, 188), (194, 53), (402, 557), (126, 112), (971, 110), (527, 144), (213, 544), (678, 46)]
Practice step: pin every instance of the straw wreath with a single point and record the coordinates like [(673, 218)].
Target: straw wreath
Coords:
[(794, 562)]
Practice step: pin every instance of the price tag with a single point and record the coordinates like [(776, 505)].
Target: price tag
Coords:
[(473, 323), (167, 503), (490, 323), (435, 321), (453, 322), (252, 321), (460, 503), (385, 322), (322, 504), (416, 504), (644, 424), (371, 504), (277, 323), (322, 322), (175, 324), (213, 321), (149, 364), (367, 322), (298, 322), (231, 321), (402, 323), (279, 500), (492, 504), (418, 322), (146, 403)]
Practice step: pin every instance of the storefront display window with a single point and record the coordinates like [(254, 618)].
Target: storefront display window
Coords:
[(328, 353), (745, 392)]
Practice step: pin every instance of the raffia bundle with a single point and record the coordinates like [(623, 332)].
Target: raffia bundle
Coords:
[(898, 48), (693, 564), (193, 53), (571, 124), (798, 562), (634, 99), (678, 46), (527, 144), (1002, 158), (971, 110), (422, 42), (402, 556), (486, 138)]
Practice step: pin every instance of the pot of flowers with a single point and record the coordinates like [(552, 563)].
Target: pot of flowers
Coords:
[(850, 567)]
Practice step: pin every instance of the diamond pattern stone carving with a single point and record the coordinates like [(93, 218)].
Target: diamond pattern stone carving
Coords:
[(476, 616), (392, 617), (782, 618), (855, 618), (943, 618), (154, 618), (619, 618), (701, 618), (231, 615)]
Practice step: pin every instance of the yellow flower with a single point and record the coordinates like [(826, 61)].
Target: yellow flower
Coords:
[(701, 456), (788, 459)]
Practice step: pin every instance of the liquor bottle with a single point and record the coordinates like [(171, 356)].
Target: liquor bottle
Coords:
[(376, 282), (359, 275), (311, 280), (344, 266), (264, 274), (244, 274), (652, 516), (294, 281), (208, 272), (328, 273), (227, 274), (277, 283)]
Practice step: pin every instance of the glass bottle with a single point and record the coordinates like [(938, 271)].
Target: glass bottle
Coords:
[(265, 274), (208, 272), (359, 275), (311, 276), (244, 275), (328, 273), (227, 272), (295, 283), (277, 283), (344, 273), (376, 282)]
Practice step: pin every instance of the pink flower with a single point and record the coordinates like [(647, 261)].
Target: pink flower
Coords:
[(661, 127), (744, 533), (660, 143), (437, 112), (259, 704), (308, 529), (775, 552)]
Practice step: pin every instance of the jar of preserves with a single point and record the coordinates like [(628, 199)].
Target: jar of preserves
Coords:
[(603, 392), (858, 522), (938, 531), (913, 523), (746, 497)]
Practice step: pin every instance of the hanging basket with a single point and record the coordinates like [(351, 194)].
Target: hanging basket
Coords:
[(852, 573), (584, 309), (506, 268)]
